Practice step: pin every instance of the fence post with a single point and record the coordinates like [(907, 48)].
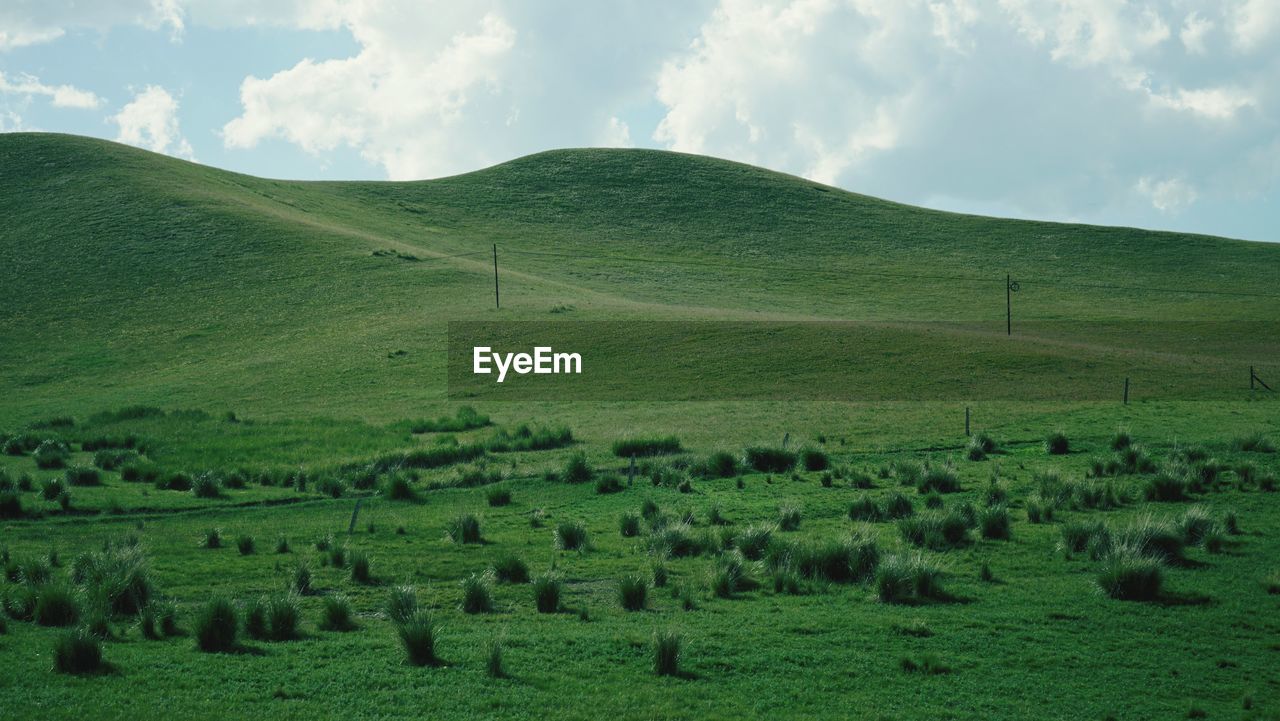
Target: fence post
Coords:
[(1126, 390), (966, 420), (351, 528)]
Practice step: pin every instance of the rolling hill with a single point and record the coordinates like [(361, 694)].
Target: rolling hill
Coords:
[(135, 277)]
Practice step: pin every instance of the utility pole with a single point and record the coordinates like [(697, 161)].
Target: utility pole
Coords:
[(1010, 288), (496, 303)]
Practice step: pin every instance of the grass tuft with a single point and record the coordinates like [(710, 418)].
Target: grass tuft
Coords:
[(547, 589), (571, 536), (477, 593), (336, 614), (666, 653), (216, 626), (77, 652)]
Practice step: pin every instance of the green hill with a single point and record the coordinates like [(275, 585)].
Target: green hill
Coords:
[(391, 553), (135, 277)]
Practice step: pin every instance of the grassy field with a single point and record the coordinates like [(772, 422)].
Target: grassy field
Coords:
[(187, 350)]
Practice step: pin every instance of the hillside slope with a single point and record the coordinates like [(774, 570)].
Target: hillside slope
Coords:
[(134, 276)]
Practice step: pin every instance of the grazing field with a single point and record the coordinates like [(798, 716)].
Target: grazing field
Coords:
[(231, 484)]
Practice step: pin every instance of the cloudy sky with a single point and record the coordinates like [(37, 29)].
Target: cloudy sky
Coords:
[(1162, 114)]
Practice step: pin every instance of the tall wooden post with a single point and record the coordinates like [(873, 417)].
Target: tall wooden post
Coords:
[(496, 304), (1008, 304)]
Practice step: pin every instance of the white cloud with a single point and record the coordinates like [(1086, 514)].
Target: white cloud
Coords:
[(1194, 29), (1253, 22), (150, 121), (1215, 103), (62, 96), (1168, 195), (616, 135), (811, 86), (397, 101), (32, 22)]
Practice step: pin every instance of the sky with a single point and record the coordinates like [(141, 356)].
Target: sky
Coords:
[(1160, 114)]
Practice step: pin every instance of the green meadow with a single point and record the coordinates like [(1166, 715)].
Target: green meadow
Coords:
[(235, 482)]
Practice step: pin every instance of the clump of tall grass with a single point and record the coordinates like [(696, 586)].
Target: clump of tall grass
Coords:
[(938, 478), (633, 592), (336, 556), (789, 518), (846, 560), (217, 626), (754, 541), (212, 538), (770, 460), (206, 485), (629, 524), (608, 483), (994, 523), (864, 509), (935, 530), (493, 665), (897, 505), (1121, 439), (52, 489), (10, 505), (571, 536), (814, 460), (1079, 536), (658, 573), (980, 445), (465, 419), (1057, 444), (361, 568), (336, 614), (1038, 509), (677, 540), (51, 454), (477, 593), (498, 497), (20, 602), (275, 618), (77, 652), (302, 581), (547, 590), (657, 446), (139, 471), (245, 544), (1100, 495), (118, 576), (417, 634), (1170, 484), (729, 574), (1254, 443), (158, 619), (55, 605), (666, 653), (721, 465), (577, 470), (82, 476), (402, 603), (399, 487), (907, 578), (464, 528), (1129, 573), (509, 568)]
